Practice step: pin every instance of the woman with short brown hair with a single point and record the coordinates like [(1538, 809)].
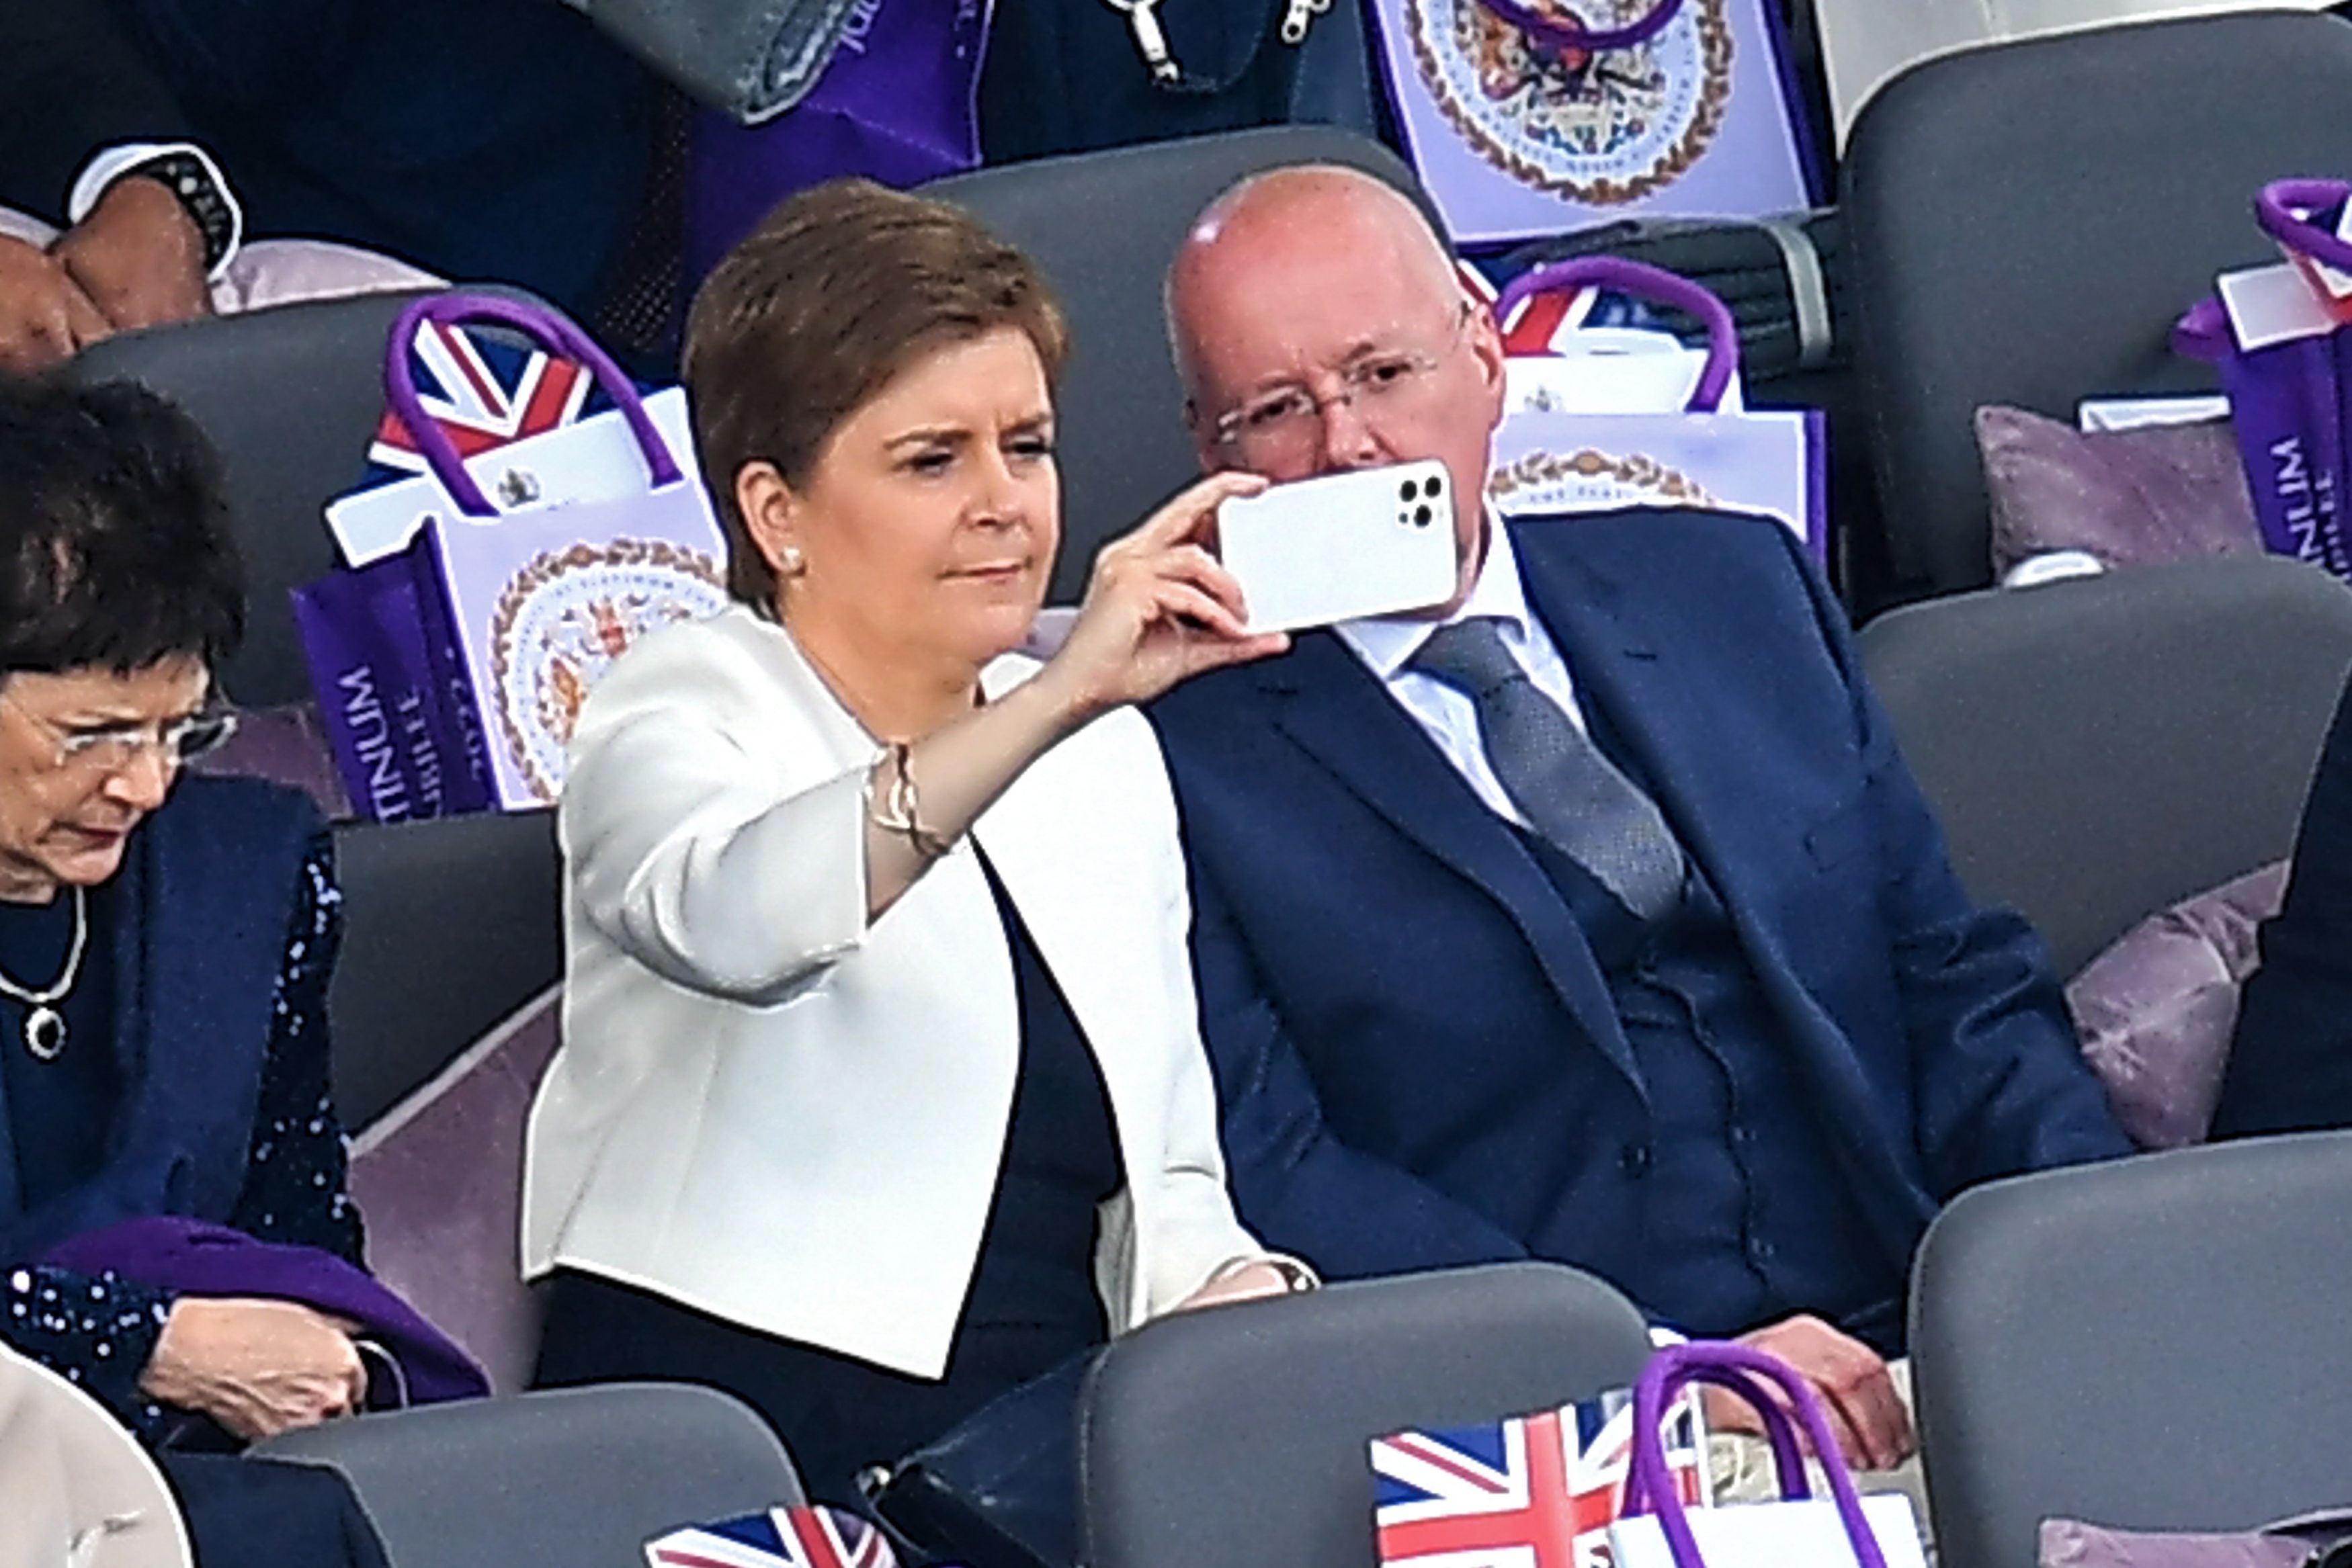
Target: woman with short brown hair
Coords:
[(882, 1091)]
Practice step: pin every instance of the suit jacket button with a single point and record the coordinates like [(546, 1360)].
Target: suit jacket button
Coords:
[(1635, 1160)]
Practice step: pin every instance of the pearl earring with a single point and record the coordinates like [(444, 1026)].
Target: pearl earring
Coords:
[(793, 562)]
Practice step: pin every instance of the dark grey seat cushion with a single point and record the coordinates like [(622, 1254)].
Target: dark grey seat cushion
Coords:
[(1238, 1435), (578, 1476), (2156, 1344), (450, 926), (2100, 748), (2025, 221)]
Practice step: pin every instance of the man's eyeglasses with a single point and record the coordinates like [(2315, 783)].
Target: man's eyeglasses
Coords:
[(1282, 426), (105, 749)]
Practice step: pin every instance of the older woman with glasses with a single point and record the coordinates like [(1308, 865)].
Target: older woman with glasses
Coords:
[(164, 942)]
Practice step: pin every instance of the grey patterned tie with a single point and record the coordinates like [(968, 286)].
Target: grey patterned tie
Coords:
[(1567, 790)]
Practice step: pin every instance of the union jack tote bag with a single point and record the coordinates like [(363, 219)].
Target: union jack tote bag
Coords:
[(483, 596), (1845, 1530), (1533, 117), (780, 1538), (1542, 1488), (1554, 455)]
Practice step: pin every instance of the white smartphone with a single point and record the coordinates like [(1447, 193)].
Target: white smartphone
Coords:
[(1372, 543)]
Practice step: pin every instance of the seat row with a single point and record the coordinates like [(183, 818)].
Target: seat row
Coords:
[(2153, 1344)]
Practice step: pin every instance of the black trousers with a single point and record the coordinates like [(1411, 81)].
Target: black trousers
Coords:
[(837, 1415)]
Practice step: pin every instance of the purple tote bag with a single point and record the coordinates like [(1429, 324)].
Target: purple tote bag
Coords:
[(1773, 463), (2288, 399), (1765, 1382), (896, 104), (396, 695)]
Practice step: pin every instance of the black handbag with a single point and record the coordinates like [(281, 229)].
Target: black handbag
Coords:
[(1000, 1489)]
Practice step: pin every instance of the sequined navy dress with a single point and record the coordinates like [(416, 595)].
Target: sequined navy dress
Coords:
[(63, 1118)]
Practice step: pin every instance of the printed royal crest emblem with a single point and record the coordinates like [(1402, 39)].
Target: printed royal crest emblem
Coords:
[(1603, 128), (1552, 481), (566, 617)]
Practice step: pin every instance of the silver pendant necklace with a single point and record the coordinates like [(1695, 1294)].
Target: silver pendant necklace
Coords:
[(45, 1027)]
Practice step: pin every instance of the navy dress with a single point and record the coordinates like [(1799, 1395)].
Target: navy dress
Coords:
[(65, 1119), (99, 1330), (1032, 1304)]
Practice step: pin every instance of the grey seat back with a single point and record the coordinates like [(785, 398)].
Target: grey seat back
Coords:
[(2157, 1343), (450, 926), (2098, 749), (580, 1477), (291, 397), (2025, 221), (1104, 227), (1237, 1434)]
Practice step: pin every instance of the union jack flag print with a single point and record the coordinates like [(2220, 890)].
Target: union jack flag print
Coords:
[(780, 1538), (1535, 326), (1531, 1491), (483, 393)]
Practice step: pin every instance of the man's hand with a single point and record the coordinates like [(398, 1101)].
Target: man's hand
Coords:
[(258, 1367), (1250, 1282), (138, 256), (45, 316), (1850, 1382)]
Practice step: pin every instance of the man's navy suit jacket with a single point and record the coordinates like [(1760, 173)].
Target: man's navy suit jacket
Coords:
[(1418, 1055)]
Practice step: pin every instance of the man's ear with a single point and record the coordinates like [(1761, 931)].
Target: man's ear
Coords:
[(1485, 341), (1204, 439), (771, 516)]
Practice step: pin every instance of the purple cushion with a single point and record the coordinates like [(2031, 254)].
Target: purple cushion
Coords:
[(2130, 497), (2155, 1010), (2070, 1544), (439, 1181)]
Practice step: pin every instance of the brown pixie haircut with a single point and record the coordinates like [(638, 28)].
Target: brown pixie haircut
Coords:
[(837, 291)]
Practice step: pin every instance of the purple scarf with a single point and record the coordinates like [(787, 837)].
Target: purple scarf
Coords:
[(193, 1258)]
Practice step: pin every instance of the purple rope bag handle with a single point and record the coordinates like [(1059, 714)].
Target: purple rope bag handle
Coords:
[(1751, 1374), (1658, 286), (1563, 37), (550, 330), (2281, 211)]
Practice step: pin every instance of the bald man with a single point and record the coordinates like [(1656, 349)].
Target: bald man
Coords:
[(1591, 916)]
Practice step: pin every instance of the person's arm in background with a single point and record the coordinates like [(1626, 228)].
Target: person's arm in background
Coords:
[(2290, 1066), (94, 138)]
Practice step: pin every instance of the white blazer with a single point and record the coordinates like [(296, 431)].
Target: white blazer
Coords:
[(768, 1108)]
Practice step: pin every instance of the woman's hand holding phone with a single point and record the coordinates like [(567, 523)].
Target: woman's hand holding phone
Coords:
[(1160, 608)]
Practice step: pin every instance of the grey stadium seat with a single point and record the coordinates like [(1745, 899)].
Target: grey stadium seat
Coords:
[(450, 926), (2025, 221), (290, 396), (580, 1476), (2156, 1344), (1237, 1434), (2100, 748)]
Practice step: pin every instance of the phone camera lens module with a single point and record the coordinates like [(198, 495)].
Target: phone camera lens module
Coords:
[(1409, 490), (1421, 516), (1432, 482)]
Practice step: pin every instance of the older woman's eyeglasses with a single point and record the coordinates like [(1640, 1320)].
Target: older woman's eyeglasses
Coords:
[(105, 749), (1283, 425)]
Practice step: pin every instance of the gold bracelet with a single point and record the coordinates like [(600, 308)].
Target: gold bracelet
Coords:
[(902, 812)]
